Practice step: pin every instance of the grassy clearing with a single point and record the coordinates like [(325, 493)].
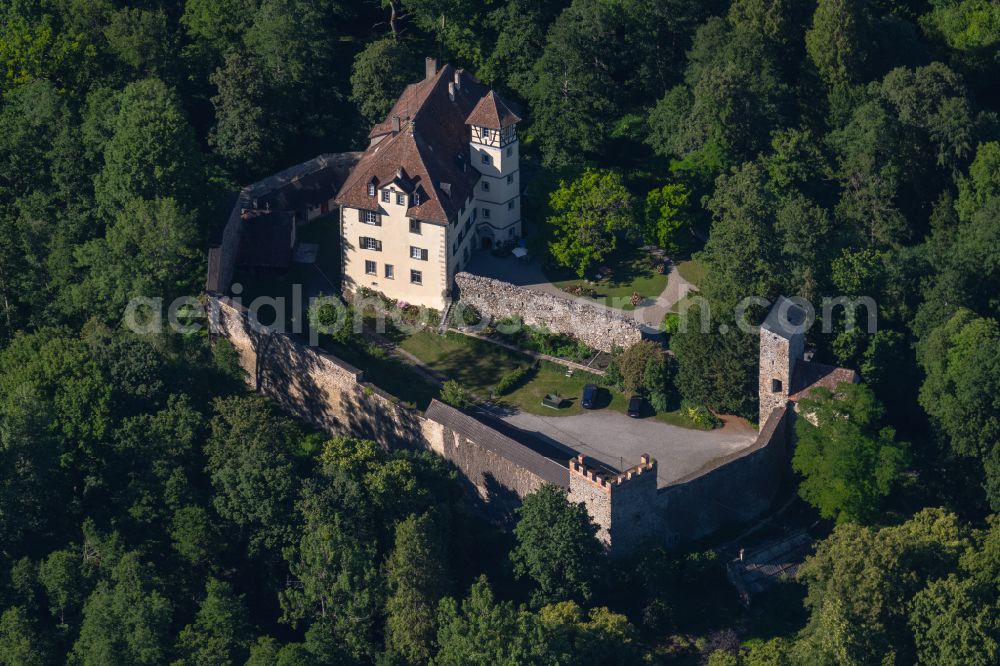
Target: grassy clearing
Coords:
[(679, 417), (632, 272), (475, 364), (551, 378), (692, 270), (478, 365)]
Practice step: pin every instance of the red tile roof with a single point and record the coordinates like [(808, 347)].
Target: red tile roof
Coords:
[(810, 374), (492, 112), (431, 146)]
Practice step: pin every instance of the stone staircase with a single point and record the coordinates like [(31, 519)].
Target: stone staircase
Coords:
[(443, 326)]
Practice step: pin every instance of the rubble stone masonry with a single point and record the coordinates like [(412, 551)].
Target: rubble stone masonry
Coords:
[(597, 327)]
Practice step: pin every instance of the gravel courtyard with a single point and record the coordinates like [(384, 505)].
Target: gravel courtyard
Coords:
[(615, 440)]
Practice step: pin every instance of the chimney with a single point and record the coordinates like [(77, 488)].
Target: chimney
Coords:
[(451, 91), (458, 79), (430, 68), (395, 123)]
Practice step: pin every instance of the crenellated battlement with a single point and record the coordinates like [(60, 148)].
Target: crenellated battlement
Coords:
[(579, 468)]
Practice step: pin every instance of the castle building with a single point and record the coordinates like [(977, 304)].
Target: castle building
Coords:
[(440, 178)]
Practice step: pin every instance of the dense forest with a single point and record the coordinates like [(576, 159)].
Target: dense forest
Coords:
[(154, 511)]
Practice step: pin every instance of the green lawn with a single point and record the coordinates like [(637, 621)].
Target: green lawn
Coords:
[(388, 374), (692, 270), (632, 272), (477, 365), (551, 378)]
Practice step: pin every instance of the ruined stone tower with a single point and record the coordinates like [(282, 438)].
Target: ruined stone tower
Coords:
[(782, 344)]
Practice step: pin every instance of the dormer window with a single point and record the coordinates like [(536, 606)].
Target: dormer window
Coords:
[(371, 189), (416, 198)]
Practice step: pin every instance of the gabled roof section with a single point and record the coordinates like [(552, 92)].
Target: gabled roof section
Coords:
[(810, 374), (431, 146), (493, 112)]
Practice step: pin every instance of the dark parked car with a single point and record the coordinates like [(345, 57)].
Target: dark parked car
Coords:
[(635, 405), (589, 396)]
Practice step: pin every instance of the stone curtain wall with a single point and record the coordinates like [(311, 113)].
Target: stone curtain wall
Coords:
[(332, 395), (736, 490), (315, 386), (597, 327), (499, 482), (222, 259)]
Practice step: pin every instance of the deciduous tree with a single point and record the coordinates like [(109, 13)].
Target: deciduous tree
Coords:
[(591, 214), (557, 546), (848, 460)]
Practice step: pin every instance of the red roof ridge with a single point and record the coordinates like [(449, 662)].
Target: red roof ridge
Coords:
[(426, 134)]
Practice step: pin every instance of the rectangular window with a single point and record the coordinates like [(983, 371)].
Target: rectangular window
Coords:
[(400, 198), (511, 233), (486, 186), (370, 217), (510, 205), (416, 277), (486, 134), (416, 198), (486, 213), (371, 189), (385, 196), (414, 226), (371, 268), (418, 253), (776, 386), (510, 179), (390, 271), (370, 244), (486, 158)]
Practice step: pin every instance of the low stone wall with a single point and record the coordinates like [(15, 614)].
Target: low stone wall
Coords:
[(597, 327)]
